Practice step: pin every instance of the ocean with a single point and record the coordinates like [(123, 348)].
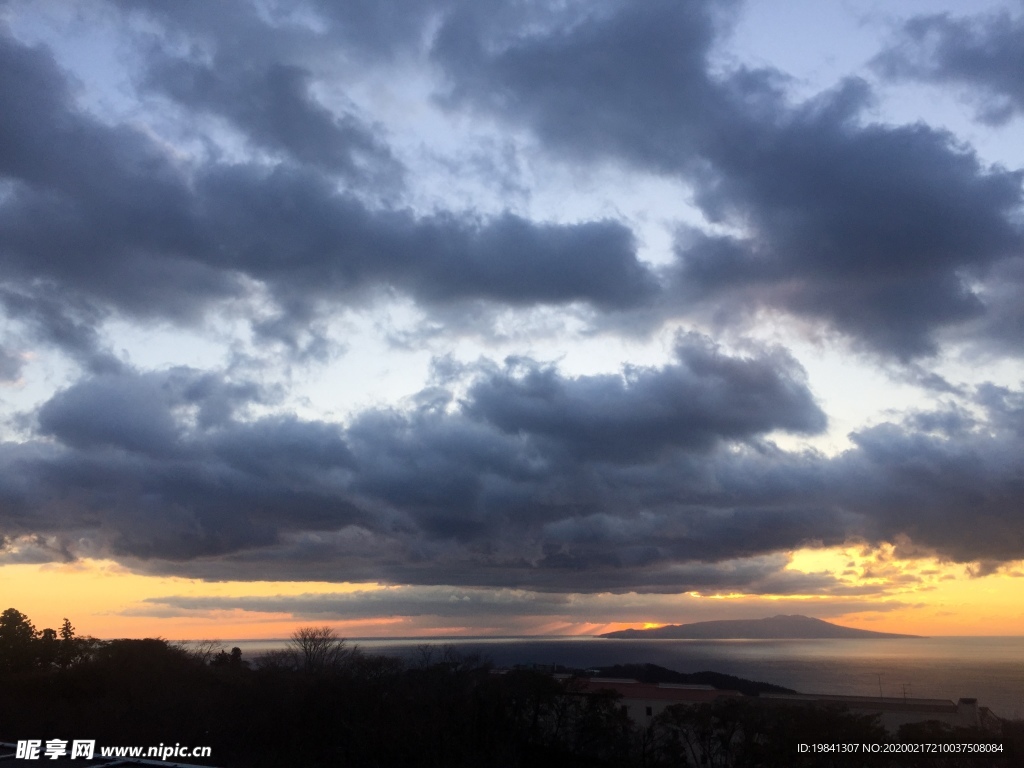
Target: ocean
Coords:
[(990, 669)]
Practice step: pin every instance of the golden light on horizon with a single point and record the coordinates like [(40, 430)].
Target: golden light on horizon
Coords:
[(98, 595), (874, 589), (928, 595)]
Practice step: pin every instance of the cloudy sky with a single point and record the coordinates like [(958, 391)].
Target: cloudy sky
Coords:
[(511, 316)]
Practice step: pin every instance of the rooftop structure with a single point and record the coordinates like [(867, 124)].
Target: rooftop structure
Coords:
[(645, 701)]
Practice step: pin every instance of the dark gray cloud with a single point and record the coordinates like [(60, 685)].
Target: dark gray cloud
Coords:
[(107, 219), (1003, 324), (877, 230), (114, 411), (142, 413), (430, 601), (960, 497), (275, 109), (530, 445), (982, 54), (33, 549), (891, 235), (167, 465), (629, 80), (882, 232), (98, 214), (305, 241), (68, 324), (704, 398), (253, 70), (545, 488), (481, 604), (159, 465)]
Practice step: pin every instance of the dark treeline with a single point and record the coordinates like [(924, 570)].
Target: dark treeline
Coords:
[(322, 702), (652, 673)]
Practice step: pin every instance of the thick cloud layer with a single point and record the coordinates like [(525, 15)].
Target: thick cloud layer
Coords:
[(628, 80), (497, 605), (534, 480), (891, 235), (161, 466), (693, 405), (880, 231), (106, 217)]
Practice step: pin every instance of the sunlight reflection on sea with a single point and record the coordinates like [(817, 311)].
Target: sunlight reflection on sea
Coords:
[(990, 669)]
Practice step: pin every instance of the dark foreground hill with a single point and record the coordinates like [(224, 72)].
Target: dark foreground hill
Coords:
[(652, 673), (346, 708), (773, 628)]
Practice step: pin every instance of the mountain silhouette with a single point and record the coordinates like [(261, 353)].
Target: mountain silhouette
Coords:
[(773, 628)]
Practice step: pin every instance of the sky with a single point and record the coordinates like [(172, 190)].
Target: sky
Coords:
[(507, 317)]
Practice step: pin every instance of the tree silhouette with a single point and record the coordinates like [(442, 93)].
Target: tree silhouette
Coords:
[(71, 649), (17, 635), (203, 651), (227, 660), (319, 649), (47, 648), (322, 703)]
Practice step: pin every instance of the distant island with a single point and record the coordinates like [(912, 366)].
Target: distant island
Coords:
[(773, 628)]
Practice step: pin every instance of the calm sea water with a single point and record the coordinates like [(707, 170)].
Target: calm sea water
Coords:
[(990, 669)]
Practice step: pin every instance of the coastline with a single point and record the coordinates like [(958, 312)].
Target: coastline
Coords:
[(986, 667)]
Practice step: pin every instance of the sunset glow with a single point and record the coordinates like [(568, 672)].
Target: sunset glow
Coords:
[(917, 596)]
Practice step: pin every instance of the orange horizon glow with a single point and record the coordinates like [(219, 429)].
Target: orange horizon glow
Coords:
[(919, 596)]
